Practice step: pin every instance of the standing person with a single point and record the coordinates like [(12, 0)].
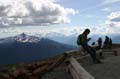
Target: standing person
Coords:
[(83, 41), (106, 42), (110, 43)]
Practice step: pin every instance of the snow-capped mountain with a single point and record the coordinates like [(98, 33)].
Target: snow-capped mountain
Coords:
[(26, 48), (26, 38), (23, 38)]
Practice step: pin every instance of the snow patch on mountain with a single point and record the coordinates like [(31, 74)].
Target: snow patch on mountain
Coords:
[(26, 38)]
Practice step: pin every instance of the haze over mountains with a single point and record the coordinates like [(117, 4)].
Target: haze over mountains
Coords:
[(71, 39), (26, 48)]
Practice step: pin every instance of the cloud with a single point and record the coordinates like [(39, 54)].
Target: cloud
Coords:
[(30, 12), (101, 4), (67, 31), (114, 19), (108, 9), (110, 1), (61, 31)]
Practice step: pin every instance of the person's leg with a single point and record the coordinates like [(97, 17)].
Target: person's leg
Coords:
[(92, 49), (92, 53), (88, 49)]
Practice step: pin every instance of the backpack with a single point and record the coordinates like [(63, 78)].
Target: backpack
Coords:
[(79, 40)]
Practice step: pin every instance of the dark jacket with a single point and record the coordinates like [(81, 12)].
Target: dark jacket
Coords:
[(84, 40)]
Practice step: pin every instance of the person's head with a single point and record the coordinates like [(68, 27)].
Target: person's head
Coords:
[(87, 31), (93, 43), (99, 38), (106, 37)]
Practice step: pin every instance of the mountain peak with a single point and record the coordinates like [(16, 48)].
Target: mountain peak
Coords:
[(23, 34), (26, 38)]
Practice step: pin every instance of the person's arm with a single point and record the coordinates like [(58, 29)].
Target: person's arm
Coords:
[(84, 39), (88, 39)]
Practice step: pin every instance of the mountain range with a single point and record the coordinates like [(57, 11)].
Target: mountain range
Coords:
[(71, 39), (26, 48)]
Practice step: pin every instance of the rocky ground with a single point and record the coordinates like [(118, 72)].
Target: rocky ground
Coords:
[(37, 70), (33, 70)]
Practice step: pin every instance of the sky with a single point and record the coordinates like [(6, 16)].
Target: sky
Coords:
[(61, 16)]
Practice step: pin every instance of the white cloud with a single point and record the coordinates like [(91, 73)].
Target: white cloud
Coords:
[(114, 19), (65, 31), (110, 1), (89, 16), (98, 6), (68, 30), (30, 12), (113, 23), (108, 9)]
